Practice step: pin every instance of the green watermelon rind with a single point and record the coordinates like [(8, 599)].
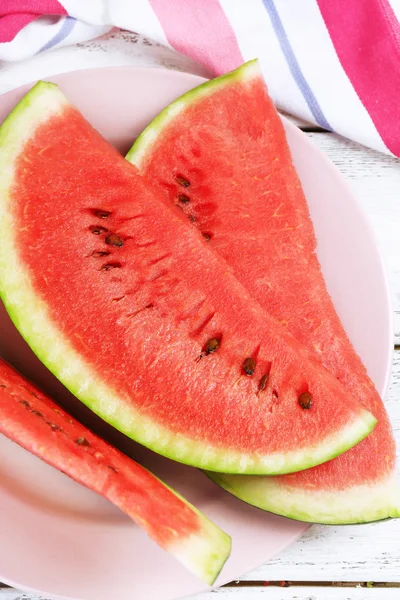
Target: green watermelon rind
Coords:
[(364, 503), (145, 140), (31, 316)]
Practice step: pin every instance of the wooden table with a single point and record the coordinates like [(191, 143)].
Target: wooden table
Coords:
[(360, 562)]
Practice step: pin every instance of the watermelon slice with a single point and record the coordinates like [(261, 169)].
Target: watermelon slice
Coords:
[(140, 319), (227, 139), (36, 423)]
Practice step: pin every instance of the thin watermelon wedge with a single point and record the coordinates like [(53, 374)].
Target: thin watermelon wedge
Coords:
[(245, 197), (36, 423), (140, 319)]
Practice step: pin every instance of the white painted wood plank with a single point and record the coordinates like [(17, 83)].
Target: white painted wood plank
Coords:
[(11, 594), (375, 180), (299, 593), (397, 327), (265, 593)]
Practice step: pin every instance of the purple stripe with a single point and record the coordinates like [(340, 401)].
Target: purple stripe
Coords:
[(294, 66), (64, 31)]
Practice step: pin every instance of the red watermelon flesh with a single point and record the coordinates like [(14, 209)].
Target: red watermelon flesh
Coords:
[(140, 319), (245, 197), (36, 423)]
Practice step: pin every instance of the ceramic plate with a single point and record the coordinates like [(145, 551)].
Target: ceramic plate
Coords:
[(60, 539)]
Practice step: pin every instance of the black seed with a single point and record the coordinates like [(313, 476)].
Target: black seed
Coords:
[(183, 181), (183, 198), (82, 441), (24, 403), (249, 366), (263, 382), (109, 266), (97, 229), (114, 240), (112, 468), (98, 253), (101, 214), (37, 413), (305, 400), (33, 394), (53, 426), (211, 345), (206, 236)]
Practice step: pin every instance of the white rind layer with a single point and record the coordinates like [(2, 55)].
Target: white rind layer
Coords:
[(357, 504)]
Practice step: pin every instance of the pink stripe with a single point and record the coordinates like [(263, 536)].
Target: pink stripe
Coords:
[(10, 25), (366, 37), (37, 7), (200, 29), (16, 14)]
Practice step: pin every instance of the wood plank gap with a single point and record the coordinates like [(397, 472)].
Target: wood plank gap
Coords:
[(313, 129)]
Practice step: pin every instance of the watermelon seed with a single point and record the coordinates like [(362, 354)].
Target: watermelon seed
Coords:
[(33, 394), (249, 366), (211, 346), (114, 240), (23, 402), (3, 385), (101, 214), (112, 468), (183, 181), (82, 441), (183, 198), (111, 265), (263, 382), (207, 236), (37, 413), (53, 426), (98, 253), (97, 229), (305, 400)]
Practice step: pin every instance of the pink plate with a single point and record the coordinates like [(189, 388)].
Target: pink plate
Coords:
[(59, 539)]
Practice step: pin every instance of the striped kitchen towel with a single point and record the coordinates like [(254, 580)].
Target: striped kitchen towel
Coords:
[(332, 62)]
